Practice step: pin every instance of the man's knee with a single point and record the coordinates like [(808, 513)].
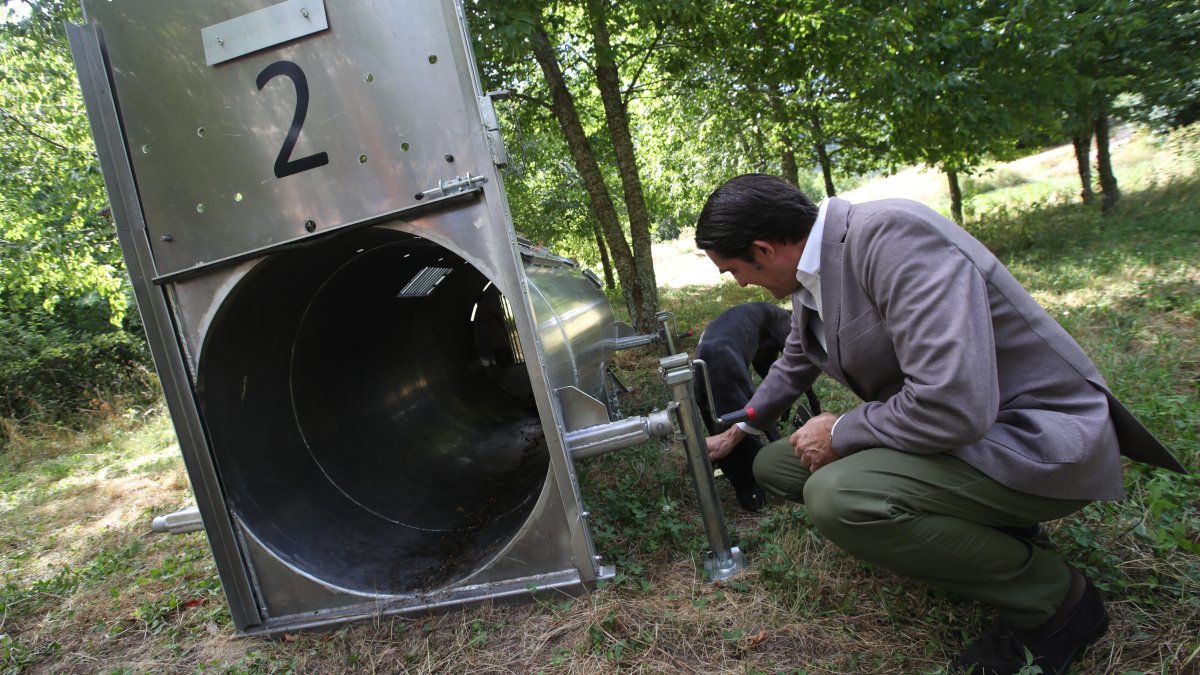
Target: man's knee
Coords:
[(838, 504), (777, 471)]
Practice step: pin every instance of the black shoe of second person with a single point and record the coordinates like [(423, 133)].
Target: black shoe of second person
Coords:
[(750, 497)]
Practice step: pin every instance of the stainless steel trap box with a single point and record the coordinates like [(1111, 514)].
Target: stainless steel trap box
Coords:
[(369, 374)]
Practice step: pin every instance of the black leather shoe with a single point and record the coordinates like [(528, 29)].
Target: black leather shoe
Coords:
[(1003, 650)]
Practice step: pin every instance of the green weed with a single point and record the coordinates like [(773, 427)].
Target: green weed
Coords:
[(636, 501)]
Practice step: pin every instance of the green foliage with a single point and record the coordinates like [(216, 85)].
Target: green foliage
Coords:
[(57, 376), (778, 568), (1158, 55), (774, 86), (55, 246), (960, 84), (65, 348), (995, 179), (25, 599), (736, 87), (16, 658), (636, 502), (1185, 143), (545, 194)]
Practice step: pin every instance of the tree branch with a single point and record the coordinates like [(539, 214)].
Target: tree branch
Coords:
[(27, 128), (532, 99), (642, 66)]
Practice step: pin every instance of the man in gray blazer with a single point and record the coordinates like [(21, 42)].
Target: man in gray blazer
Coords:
[(981, 416)]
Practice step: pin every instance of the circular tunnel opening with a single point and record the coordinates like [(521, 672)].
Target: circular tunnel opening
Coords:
[(371, 414)]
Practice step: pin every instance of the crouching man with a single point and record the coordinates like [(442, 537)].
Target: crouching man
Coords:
[(981, 416)]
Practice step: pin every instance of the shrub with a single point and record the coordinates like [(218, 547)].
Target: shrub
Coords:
[(991, 180), (60, 378)]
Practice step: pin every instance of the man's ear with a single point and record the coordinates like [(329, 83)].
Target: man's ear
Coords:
[(762, 249)]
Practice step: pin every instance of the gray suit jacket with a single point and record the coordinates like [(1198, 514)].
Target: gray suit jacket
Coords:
[(950, 354)]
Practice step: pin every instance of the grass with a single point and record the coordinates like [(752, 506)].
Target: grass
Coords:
[(84, 587)]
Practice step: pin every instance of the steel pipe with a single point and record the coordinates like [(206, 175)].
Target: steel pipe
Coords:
[(723, 559), (180, 522), (618, 435)]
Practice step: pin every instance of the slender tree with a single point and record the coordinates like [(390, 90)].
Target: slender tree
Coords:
[(514, 28), (644, 294), (563, 105)]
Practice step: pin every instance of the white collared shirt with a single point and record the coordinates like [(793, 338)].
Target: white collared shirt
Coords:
[(808, 273)]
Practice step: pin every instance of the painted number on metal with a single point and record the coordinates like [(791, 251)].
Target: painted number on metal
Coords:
[(284, 164)]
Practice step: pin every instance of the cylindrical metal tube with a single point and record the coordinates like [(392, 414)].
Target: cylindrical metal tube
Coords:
[(634, 341), (180, 522), (617, 435), (725, 560), (664, 328)]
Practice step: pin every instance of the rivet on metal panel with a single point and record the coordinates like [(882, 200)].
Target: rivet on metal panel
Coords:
[(200, 132), (237, 197), (220, 40), (419, 195), (304, 12), (433, 58), (145, 149), (404, 147), (167, 238), (369, 77), (362, 159), (310, 225), (200, 208), (449, 158)]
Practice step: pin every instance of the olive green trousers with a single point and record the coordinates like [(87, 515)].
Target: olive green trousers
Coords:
[(933, 518)]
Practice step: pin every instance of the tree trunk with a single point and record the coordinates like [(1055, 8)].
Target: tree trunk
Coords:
[(1110, 194), (826, 169), (1081, 138), (1083, 150), (605, 262), (585, 163), (644, 308), (822, 150), (956, 202), (789, 169)]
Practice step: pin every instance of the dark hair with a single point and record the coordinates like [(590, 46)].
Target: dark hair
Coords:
[(753, 207)]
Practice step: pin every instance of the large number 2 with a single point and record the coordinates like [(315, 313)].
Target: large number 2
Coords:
[(284, 164)]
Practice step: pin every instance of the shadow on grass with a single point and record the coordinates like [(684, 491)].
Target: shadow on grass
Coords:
[(1153, 225)]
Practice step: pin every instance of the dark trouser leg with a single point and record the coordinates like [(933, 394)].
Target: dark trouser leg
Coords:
[(933, 518), (738, 468)]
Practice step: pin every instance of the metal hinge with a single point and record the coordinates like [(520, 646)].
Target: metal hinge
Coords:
[(491, 124)]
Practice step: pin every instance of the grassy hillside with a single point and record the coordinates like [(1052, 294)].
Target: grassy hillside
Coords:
[(86, 588)]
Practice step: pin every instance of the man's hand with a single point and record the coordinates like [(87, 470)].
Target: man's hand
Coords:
[(814, 442), (723, 443)]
